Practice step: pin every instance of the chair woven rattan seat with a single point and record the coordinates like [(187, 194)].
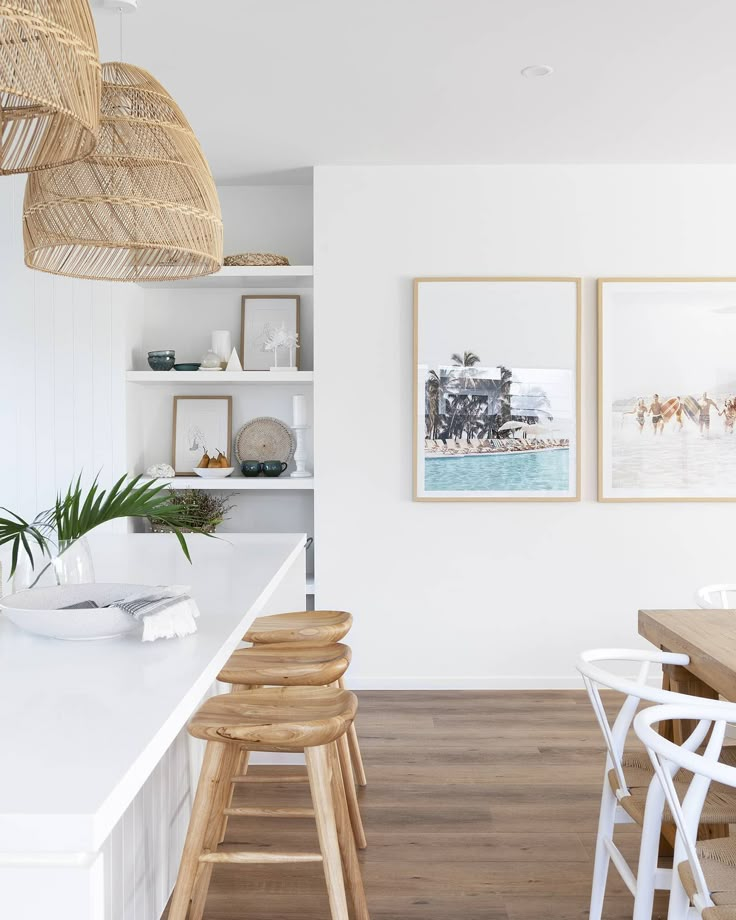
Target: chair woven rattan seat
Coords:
[(287, 664), (720, 803), (718, 861), (282, 719), (318, 627)]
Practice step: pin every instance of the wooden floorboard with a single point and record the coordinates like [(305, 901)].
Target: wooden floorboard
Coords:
[(480, 806)]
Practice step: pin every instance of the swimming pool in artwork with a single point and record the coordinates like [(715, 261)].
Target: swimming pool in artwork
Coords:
[(535, 471)]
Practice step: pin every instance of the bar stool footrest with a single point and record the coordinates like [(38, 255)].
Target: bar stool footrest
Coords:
[(265, 811), (250, 856)]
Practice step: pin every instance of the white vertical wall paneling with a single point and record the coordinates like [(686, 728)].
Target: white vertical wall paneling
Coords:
[(62, 396)]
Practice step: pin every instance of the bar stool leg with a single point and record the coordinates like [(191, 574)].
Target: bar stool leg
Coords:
[(215, 827), (351, 798), (345, 834), (320, 783), (202, 811), (355, 755)]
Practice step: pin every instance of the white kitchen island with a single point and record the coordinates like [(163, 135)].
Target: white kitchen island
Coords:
[(96, 768)]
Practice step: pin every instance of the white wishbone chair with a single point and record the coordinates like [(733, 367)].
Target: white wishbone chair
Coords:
[(629, 795), (704, 883), (716, 597)]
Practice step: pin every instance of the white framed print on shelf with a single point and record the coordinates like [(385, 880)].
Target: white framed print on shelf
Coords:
[(666, 389), (202, 424), (261, 315), (496, 389)]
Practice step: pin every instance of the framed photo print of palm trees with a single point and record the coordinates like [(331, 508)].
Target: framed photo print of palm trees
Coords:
[(666, 389), (497, 381)]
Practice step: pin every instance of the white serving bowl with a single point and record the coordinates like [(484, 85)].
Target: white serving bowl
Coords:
[(216, 473), (38, 611)]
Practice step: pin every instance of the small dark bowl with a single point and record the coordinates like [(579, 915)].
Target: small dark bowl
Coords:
[(186, 367), (161, 360)]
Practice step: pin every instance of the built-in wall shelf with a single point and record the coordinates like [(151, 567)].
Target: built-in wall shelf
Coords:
[(240, 483), (250, 276), (296, 378)]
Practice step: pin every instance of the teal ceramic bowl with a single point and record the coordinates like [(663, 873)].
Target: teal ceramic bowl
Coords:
[(161, 360), (186, 367)]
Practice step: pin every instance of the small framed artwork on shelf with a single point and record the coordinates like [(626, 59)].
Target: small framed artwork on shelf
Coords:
[(202, 426), (269, 336), (497, 389), (666, 389)]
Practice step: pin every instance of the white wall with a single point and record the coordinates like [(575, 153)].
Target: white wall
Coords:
[(63, 350), (268, 218), (492, 595)]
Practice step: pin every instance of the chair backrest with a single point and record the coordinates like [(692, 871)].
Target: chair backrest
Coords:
[(634, 690), (668, 758), (716, 597)]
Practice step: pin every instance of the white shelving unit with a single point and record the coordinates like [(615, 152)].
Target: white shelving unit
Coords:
[(218, 378), (240, 483), (246, 277), (181, 315)]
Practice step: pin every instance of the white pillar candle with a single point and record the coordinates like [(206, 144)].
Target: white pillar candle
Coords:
[(299, 410), (222, 345)]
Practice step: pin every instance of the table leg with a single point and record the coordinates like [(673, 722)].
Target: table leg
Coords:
[(680, 680)]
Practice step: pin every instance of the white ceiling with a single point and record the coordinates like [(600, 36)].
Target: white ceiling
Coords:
[(273, 87)]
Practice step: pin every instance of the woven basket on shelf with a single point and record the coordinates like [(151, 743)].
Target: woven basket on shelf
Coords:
[(256, 258), (142, 207), (49, 83)]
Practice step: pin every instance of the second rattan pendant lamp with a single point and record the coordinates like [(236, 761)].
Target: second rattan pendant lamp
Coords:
[(49, 83), (142, 207)]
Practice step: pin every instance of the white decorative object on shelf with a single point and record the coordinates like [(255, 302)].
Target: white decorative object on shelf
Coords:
[(222, 345), (221, 472), (211, 362), (161, 471), (299, 410), (300, 454), (291, 341), (233, 363)]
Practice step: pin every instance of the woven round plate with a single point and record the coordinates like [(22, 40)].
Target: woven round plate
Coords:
[(265, 439), (256, 258)]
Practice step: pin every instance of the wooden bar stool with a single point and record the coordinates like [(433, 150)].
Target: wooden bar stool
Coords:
[(298, 664), (317, 627), (305, 720)]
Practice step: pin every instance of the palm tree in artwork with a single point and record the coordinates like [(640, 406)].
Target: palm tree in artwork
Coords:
[(532, 403), (499, 402), (464, 375), (432, 389)]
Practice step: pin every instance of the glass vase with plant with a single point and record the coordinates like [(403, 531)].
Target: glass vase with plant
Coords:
[(52, 549)]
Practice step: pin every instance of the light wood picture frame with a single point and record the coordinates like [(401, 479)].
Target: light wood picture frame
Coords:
[(666, 389), (257, 312), (200, 423), (496, 407)]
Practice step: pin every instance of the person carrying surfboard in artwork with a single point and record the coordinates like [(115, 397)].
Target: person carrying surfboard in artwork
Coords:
[(657, 412), (678, 414), (705, 403)]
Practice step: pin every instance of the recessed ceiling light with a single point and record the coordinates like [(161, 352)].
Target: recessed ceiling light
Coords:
[(537, 70)]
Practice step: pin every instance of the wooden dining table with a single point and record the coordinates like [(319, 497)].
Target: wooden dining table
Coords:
[(708, 638)]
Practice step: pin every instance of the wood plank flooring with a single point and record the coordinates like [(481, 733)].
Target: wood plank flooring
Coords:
[(480, 806)]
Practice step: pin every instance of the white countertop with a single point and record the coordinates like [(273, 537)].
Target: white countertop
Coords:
[(84, 723)]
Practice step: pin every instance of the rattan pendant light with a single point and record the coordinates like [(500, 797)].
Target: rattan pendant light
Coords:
[(49, 83), (142, 207)]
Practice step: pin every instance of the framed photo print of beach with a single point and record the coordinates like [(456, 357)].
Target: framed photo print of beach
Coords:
[(666, 389), (496, 394), (202, 424)]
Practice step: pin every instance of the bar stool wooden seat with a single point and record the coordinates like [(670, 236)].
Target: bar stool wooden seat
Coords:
[(307, 720), (318, 627), (299, 664), (286, 664)]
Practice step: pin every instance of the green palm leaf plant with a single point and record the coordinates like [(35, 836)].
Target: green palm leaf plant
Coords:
[(75, 514)]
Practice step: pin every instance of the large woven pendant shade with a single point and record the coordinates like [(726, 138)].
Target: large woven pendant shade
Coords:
[(142, 207), (49, 83)]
